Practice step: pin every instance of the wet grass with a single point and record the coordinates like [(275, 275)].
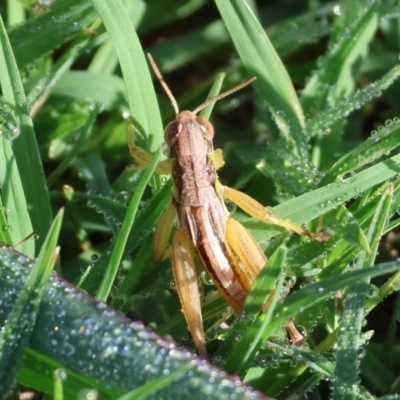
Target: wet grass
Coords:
[(315, 137)]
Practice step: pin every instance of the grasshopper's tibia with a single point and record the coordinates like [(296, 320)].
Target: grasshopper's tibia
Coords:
[(257, 210), (142, 157), (162, 233), (185, 277)]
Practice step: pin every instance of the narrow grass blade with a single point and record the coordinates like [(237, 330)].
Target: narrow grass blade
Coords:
[(26, 153), (90, 281), (333, 70), (297, 301), (344, 107), (62, 23), (317, 202), (140, 92), (126, 228), (16, 332), (261, 60), (349, 340), (144, 391), (78, 145)]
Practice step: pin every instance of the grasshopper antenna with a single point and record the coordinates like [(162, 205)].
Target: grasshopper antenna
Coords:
[(224, 94), (163, 84)]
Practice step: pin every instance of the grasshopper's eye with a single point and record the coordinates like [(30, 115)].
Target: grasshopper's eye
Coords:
[(171, 130), (206, 128)]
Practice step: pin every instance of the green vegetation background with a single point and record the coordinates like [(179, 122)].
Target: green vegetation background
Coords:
[(316, 137)]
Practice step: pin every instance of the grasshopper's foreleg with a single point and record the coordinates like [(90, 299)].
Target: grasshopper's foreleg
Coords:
[(257, 210), (142, 157), (218, 158), (246, 249), (184, 270)]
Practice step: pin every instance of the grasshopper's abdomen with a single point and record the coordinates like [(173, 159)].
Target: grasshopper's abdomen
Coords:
[(206, 226)]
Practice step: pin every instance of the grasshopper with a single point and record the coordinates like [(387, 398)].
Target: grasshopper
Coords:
[(229, 253)]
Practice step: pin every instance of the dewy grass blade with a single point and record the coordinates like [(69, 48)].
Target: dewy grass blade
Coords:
[(29, 191), (126, 227), (139, 88), (331, 74), (346, 380), (21, 320), (30, 41), (80, 142), (142, 392), (301, 300), (261, 60), (113, 371), (313, 204)]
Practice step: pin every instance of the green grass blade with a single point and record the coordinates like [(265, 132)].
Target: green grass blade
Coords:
[(30, 41), (122, 238), (344, 107), (140, 93), (78, 145), (349, 340), (33, 194), (317, 202), (144, 391), (333, 70), (261, 60), (300, 300), (127, 354), (15, 335)]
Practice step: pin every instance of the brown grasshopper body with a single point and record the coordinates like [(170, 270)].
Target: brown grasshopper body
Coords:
[(201, 210), (229, 253)]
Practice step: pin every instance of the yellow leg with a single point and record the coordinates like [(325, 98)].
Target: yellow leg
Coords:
[(163, 231), (246, 249), (184, 270), (218, 159), (142, 157), (257, 210)]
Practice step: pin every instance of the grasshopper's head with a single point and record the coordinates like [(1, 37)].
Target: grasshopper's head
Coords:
[(189, 134)]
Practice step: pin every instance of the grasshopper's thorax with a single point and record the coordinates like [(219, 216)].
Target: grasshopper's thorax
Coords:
[(189, 139)]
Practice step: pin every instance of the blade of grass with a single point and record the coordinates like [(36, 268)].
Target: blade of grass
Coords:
[(29, 200), (346, 380), (140, 92), (319, 201), (16, 333), (144, 391), (122, 238), (29, 41), (261, 60), (297, 301), (128, 355)]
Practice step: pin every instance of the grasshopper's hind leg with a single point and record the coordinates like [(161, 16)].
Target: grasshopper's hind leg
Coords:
[(257, 210), (184, 270), (142, 157), (252, 258)]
